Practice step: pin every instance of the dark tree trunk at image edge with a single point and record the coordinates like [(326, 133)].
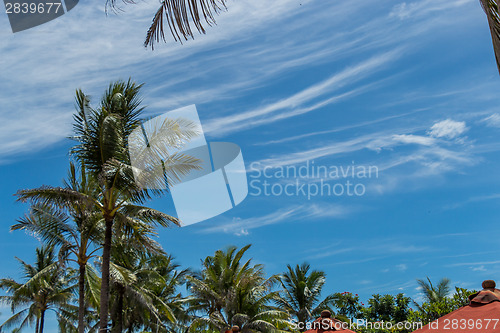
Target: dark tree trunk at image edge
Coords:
[(106, 255), (81, 299), (42, 321)]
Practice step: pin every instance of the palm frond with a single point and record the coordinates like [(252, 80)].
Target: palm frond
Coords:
[(48, 195), (17, 318), (149, 215), (180, 16), (47, 222), (490, 7)]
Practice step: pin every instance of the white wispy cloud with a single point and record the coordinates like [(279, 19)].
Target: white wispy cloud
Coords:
[(383, 248), (480, 198), (40, 90), (479, 269), (402, 267), (350, 75), (376, 141), (448, 128), (241, 227), (256, 33), (338, 129), (411, 157), (479, 263), (492, 120), (406, 10), (416, 139), (331, 253)]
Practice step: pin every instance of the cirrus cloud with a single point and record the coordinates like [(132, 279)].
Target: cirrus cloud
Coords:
[(448, 128)]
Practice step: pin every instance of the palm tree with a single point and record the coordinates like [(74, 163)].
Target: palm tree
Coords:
[(74, 226), (77, 227), (47, 287), (102, 137), (163, 285), (434, 294), (144, 289), (301, 293), (490, 7), (436, 302), (231, 292), (102, 149)]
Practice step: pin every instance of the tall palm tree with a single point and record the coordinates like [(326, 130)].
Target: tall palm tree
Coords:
[(302, 291), (102, 135), (46, 287), (490, 7), (231, 292), (74, 226)]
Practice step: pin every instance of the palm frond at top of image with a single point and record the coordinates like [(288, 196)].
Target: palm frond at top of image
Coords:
[(490, 8), (180, 17)]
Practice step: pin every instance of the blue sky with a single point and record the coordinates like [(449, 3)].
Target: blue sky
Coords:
[(408, 87)]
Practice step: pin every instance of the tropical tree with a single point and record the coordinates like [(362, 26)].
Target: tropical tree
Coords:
[(434, 294), (347, 305), (436, 302), (231, 292), (73, 225), (102, 136), (46, 287), (301, 295), (144, 288), (387, 308), (163, 286)]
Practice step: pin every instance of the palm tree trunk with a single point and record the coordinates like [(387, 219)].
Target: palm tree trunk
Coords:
[(106, 257), (37, 325), (302, 320), (42, 321), (81, 299), (119, 310)]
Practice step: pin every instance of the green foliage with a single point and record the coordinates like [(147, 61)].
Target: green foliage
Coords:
[(435, 307), (144, 289), (231, 292), (46, 286), (387, 308), (301, 293), (348, 305)]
